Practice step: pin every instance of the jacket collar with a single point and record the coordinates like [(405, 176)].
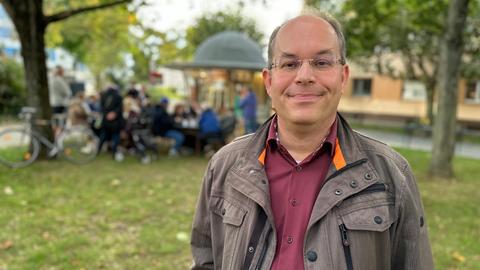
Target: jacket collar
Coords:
[(248, 176)]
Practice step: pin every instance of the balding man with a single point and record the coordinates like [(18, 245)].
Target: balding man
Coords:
[(305, 191)]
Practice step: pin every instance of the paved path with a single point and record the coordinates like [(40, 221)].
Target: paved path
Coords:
[(399, 140)]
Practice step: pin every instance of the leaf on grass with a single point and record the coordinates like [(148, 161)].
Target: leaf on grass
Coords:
[(115, 182), (46, 235), (458, 257), (8, 190), (6, 244), (182, 236)]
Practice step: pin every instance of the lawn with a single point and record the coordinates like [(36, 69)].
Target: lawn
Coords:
[(107, 215)]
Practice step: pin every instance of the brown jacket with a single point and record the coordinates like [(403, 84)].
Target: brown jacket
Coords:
[(367, 216)]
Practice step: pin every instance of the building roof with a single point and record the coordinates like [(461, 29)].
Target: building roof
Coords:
[(228, 50)]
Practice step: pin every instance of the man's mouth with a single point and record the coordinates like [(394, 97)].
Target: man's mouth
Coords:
[(306, 95)]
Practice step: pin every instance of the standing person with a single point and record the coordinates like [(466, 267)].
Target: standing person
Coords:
[(306, 191), (59, 95), (59, 91), (112, 120), (248, 104)]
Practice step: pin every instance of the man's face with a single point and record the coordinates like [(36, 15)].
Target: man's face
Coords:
[(306, 92)]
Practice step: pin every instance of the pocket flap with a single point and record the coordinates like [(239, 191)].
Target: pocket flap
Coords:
[(230, 213), (376, 218)]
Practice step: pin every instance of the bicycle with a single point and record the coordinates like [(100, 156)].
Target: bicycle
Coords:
[(20, 146)]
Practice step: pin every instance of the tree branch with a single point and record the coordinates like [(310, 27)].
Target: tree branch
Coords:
[(68, 13)]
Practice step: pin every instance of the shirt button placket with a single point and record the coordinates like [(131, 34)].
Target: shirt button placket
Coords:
[(290, 239), (293, 202)]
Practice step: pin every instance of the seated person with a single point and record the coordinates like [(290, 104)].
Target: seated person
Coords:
[(163, 125), (78, 111), (210, 131)]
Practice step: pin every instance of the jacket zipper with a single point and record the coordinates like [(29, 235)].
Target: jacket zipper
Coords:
[(264, 251), (377, 187), (348, 166), (346, 246)]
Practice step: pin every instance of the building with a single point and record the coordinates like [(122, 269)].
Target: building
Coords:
[(371, 96)]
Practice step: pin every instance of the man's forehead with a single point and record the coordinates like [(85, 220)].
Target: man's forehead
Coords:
[(306, 29)]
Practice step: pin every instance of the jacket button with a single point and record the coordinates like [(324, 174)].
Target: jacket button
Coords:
[(299, 168), (338, 192), (368, 176), (378, 219), (251, 249), (354, 184), (312, 256), (223, 211), (422, 221)]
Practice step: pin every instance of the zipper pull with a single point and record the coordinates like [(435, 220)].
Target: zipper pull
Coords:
[(344, 234)]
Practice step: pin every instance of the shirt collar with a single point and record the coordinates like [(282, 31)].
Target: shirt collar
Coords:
[(274, 141)]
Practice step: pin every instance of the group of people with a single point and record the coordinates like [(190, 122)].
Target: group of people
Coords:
[(117, 118)]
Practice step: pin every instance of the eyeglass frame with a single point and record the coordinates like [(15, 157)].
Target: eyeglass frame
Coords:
[(340, 60)]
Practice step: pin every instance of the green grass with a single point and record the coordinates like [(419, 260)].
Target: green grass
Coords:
[(453, 211), (107, 215)]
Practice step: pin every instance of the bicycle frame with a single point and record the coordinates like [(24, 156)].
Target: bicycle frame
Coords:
[(27, 114)]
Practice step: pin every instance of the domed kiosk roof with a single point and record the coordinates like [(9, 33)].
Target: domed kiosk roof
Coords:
[(229, 50)]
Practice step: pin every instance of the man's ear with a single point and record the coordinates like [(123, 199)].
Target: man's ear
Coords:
[(267, 80)]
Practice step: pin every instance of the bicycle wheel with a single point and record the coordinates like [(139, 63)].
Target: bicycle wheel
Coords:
[(78, 145), (18, 148)]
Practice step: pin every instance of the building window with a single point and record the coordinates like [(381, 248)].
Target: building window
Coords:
[(472, 93), (414, 90), (362, 87)]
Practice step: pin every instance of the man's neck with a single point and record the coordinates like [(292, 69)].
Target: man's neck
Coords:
[(302, 140)]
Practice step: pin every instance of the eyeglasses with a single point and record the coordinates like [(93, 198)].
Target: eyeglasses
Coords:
[(322, 63)]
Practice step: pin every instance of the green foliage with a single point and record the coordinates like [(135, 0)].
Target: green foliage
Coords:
[(151, 46), (99, 39), (12, 86), (212, 23), (471, 68), (412, 29)]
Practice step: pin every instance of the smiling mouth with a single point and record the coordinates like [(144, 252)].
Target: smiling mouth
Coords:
[(306, 96)]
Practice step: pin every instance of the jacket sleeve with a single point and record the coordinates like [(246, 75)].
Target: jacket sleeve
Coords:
[(201, 243), (411, 244)]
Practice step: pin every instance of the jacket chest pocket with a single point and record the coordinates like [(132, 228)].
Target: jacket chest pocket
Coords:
[(231, 218), (364, 231)]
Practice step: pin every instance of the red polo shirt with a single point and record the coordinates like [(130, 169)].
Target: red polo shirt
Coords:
[(293, 191)]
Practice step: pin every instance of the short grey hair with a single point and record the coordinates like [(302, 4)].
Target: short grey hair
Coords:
[(337, 27)]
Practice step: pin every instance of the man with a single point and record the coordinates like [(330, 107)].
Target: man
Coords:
[(59, 94), (112, 120), (59, 91), (306, 191), (248, 104)]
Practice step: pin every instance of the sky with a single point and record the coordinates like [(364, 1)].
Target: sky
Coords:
[(164, 15)]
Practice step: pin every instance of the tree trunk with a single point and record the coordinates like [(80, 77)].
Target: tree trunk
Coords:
[(430, 84), (28, 19), (445, 123), (31, 23)]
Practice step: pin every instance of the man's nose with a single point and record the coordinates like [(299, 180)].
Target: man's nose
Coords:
[(305, 73)]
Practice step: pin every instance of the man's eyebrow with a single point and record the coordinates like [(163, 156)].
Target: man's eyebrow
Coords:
[(319, 53)]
